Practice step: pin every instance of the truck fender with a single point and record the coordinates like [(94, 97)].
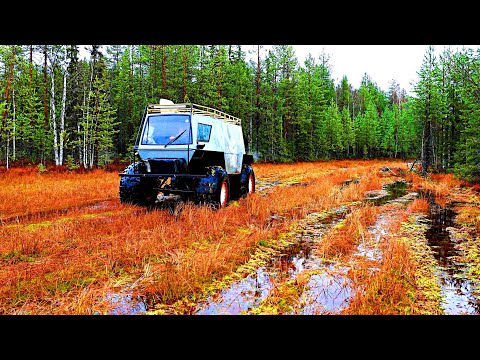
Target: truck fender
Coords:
[(210, 183)]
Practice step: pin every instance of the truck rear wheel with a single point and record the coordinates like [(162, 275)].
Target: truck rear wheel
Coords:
[(247, 180), (251, 183)]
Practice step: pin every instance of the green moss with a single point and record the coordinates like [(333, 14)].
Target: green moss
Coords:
[(15, 256), (425, 292), (54, 283), (263, 243)]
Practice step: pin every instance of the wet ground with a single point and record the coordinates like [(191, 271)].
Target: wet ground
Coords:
[(243, 296), (456, 288), (328, 289)]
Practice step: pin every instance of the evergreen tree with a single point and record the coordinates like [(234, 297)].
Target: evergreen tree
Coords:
[(429, 106)]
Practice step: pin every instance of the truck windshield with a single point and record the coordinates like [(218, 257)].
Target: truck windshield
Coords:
[(162, 129)]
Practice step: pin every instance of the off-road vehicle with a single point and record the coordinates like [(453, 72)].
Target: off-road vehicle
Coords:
[(188, 151)]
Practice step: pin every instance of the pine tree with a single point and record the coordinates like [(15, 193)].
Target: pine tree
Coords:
[(429, 106), (348, 133), (334, 131), (105, 120), (467, 155)]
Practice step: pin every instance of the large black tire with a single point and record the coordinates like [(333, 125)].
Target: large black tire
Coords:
[(247, 180), (222, 195), (136, 190), (210, 190)]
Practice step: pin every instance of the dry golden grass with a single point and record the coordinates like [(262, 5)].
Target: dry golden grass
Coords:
[(390, 289), (344, 237), (440, 185), (66, 251), (419, 205), (404, 282), (25, 192)]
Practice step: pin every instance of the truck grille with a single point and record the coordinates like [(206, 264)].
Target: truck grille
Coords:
[(168, 166)]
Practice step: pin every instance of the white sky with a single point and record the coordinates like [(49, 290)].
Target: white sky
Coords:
[(381, 62)]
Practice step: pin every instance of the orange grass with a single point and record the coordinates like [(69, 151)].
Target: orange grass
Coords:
[(65, 262), (469, 216), (25, 193), (356, 192), (419, 205), (438, 184), (342, 239), (394, 287), (388, 290)]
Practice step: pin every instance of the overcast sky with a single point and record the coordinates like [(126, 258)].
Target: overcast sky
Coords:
[(381, 62)]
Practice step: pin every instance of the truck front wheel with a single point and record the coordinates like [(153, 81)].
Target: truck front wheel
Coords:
[(135, 190)]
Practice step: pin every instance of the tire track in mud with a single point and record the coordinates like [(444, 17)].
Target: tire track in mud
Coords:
[(254, 287), (44, 214), (329, 289), (448, 250), (294, 260), (243, 296), (325, 286)]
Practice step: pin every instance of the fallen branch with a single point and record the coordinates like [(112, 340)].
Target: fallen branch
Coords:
[(413, 165)]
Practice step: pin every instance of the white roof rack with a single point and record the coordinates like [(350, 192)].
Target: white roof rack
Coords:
[(193, 109)]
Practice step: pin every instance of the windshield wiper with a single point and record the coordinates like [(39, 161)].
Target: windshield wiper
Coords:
[(176, 138)]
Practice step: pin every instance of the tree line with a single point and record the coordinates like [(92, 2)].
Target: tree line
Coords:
[(57, 107)]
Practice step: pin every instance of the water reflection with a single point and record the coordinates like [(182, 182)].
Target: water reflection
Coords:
[(456, 289)]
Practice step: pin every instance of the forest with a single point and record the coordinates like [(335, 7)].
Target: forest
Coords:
[(58, 108)]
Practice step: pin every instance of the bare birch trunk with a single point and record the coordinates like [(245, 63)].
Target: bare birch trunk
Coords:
[(45, 84), (87, 135), (81, 146), (14, 125), (62, 113), (54, 116), (257, 93)]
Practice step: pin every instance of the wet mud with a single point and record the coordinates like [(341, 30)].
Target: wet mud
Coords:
[(388, 193), (243, 296), (456, 289), (328, 289)]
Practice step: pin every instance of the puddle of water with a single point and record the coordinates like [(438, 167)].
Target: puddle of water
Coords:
[(100, 205), (455, 288), (249, 292), (368, 247), (391, 191), (327, 292), (241, 297), (264, 185), (125, 304)]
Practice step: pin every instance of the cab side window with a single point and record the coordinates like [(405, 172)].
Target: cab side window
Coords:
[(203, 133)]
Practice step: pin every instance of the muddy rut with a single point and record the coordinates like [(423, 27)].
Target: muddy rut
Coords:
[(295, 280), (324, 286)]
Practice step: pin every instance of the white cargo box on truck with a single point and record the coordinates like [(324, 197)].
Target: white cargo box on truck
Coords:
[(213, 130)]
